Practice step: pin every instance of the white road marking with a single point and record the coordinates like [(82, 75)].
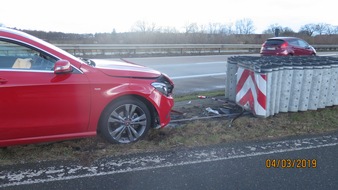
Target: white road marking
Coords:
[(198, 76), (208, 63), (112, 166), (328, 54), (175, 65)]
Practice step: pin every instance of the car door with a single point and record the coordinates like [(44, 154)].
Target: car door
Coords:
[(304, 48), (300, 47), (295, 47), (35, 102)]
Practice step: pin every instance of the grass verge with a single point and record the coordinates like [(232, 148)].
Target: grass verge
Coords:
[(193, 96)]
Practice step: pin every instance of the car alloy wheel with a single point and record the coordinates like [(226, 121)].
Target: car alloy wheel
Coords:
[(125, 121)]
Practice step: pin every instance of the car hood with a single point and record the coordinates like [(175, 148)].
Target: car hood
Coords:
[(123, 69)]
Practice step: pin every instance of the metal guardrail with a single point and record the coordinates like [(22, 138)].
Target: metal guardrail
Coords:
[(104, 50)]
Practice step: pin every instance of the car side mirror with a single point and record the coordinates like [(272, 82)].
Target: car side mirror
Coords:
[(62, 66)]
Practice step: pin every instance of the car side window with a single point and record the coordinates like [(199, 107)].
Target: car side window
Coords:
[(14, 56), (294, 42), (303, 43)]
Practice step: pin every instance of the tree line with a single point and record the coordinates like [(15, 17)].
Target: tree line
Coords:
[(240, 32)]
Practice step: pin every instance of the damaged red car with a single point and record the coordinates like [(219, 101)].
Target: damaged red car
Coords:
[(47, 94)]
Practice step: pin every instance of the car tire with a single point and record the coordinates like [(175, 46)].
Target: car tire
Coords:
[(125, 121)]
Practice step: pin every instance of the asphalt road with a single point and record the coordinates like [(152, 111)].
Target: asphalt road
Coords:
[(190, 73), (300, 163)]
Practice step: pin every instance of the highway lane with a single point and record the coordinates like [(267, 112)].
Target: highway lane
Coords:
[(190, 73), (226, 166)]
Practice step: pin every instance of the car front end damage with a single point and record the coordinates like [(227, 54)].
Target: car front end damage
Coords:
[(162, 97)]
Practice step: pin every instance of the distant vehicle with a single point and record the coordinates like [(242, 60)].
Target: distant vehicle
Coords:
[(47, 94), (286, 46)]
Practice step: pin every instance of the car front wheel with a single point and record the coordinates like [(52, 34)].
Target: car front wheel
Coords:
[(125, 121)]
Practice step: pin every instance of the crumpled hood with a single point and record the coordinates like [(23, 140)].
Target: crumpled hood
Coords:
[(123, 69)]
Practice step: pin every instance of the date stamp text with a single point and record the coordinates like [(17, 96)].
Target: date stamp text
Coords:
[(291, 163)]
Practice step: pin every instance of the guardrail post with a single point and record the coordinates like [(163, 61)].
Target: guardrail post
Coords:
[(315, 87), (286, 88), (332, 86), (334, 83), (269, 96), (274, 87), (306, 88), (231, 80), (279, 88), (325, 86), (296, 86)]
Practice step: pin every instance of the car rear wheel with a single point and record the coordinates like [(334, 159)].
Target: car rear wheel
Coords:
[(125, 121)]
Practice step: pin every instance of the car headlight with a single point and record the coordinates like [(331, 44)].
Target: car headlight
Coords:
[(161, 87), (164, 85)]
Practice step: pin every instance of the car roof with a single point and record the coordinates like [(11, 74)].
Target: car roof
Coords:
[(282, 38)]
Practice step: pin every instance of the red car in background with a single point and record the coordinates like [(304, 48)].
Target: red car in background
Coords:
[(47, 94), (286, 46)]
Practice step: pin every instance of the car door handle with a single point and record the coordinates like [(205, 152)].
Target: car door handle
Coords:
[(3, 81)]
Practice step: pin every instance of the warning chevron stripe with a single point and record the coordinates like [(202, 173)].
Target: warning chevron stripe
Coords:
[(251, 91)]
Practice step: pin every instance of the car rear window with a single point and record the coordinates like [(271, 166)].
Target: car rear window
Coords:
[(274, 42)]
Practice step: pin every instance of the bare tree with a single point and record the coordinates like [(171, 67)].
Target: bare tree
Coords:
[(308, 29), (335, 29), (318, 29), (152, 27), (191, 28), (330, 29), (168, 29), (327, 29), (321, 28), (245, 26), (140, 26), (143, 26), (203, 29), (286, 31), (272, 28), (218, 28), (226, 29), (214, 28)]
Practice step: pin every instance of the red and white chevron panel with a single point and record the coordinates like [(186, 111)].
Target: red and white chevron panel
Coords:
[(251, 91)]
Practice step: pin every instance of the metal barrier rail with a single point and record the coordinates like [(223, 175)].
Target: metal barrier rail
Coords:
[(167, 49)]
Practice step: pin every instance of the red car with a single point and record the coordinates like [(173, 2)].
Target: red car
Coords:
[(286, 46), (47, 94)]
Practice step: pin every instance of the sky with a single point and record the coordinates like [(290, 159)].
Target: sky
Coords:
[(97, 16)]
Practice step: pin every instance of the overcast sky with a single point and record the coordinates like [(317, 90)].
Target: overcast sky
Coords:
[(83, 16)]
